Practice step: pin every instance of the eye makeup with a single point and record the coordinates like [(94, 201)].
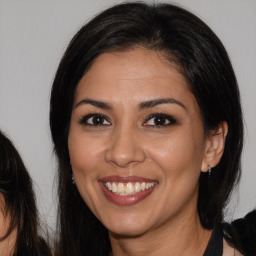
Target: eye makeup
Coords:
[(159, 120), (94, 120)]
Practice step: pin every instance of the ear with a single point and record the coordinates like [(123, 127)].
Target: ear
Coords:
[(214, 147)]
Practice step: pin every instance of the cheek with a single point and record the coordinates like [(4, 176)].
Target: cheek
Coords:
[(179, 160), (84, 157), (84, 153), (178, 153), (4, 222)]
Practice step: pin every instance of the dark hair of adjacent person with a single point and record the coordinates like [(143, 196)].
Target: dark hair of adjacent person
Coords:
[(199, 55), (243, 232), (16, 187)]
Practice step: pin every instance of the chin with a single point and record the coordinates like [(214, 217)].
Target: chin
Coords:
[(127, 227), (128, 232)]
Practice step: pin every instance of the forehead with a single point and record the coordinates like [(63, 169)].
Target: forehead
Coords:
[(133, 74)]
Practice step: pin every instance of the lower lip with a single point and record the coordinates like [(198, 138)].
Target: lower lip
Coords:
[(126, 200)]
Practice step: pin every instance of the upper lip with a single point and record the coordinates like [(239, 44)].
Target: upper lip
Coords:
[(125, 179)]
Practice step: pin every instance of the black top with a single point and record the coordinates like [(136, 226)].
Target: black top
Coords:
[(215, 245)]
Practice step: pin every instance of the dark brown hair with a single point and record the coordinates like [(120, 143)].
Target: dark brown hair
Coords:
[(204, 62), (16, 187)]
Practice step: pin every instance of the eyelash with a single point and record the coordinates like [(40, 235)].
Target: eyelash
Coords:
[(103, 120), (163, 117), (84, 120)]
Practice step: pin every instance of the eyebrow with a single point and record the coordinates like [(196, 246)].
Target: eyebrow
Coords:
[(156, 102), (142, 105), (96, 103)]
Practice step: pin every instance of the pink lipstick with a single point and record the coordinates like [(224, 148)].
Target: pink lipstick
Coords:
[(126, 190)]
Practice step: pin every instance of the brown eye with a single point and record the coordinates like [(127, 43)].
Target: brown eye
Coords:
[(159, 120), (95, 120)]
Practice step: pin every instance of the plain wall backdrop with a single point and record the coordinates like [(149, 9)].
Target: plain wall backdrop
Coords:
[(33, 37)]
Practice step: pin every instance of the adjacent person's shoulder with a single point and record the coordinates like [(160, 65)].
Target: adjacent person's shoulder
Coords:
[(229, 250), (237, 253)]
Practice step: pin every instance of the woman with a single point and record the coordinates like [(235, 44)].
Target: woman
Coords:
[(147, 127), (18, 215)]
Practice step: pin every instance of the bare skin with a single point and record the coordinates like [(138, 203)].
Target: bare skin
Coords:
[(184, 237), (8, 244), (229, 250)]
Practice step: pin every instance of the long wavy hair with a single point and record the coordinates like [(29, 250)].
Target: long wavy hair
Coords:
[(202, 59), (19, 202)]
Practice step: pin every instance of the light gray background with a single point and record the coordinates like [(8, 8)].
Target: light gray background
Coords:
[(33, 37)]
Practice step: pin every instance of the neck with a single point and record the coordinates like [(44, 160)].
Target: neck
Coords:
[(182, 235)]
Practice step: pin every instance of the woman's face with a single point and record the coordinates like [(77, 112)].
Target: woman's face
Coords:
[(136, 142)]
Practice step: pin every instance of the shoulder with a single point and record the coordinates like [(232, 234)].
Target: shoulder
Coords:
[(229, 250)]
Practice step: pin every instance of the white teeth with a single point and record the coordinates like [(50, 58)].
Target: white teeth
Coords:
[(128, 188), (120, 188), (137, 187), (109, 186), (114, 188)]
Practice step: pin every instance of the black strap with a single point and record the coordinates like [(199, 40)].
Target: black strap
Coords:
[(215, 245)]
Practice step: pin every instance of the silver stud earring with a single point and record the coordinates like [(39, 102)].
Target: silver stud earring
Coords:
[(73, 180), (209, 170)]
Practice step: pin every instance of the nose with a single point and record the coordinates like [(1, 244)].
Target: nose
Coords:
[(125, 148)]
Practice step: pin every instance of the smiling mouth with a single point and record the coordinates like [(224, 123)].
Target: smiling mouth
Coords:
[(130, 188), (125, 191)]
